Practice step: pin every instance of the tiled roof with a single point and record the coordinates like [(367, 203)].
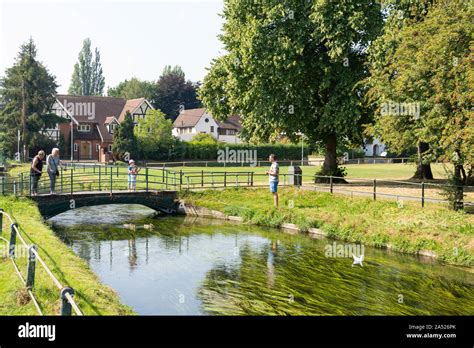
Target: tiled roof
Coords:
[(188, 118)]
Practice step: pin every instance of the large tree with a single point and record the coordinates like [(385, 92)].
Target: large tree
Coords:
[(173, 92), (429, 64), (292, 67), (132, 89), (27, 91), (87, 77), (154, 136), (124, 140)]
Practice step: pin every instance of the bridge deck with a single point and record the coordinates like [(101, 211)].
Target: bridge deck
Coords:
[(101, 193)]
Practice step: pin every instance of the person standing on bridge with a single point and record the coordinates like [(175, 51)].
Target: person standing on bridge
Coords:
[(53, 163), (35, 171), (273, 178), (132, 175)]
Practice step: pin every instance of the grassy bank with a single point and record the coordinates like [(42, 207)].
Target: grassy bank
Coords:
[(409, 228), (92, 296)]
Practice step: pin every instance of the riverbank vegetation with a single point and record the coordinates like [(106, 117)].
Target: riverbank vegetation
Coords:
[(92, 297), (403, 227)]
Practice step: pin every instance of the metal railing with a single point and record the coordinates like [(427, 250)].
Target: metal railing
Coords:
[(75, 178), (66, 293)]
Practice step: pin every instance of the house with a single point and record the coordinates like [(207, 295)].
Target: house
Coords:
[(373, 147), (93, 120), (194, 121)]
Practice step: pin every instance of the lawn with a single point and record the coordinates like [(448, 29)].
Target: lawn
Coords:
[(408, 228), (92, 296)]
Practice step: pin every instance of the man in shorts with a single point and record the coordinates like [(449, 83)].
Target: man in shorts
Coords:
[(273, 178)]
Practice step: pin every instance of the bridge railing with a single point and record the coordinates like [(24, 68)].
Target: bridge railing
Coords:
[(66, 293)]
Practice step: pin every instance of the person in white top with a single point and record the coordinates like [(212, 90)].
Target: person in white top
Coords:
[(273, 178)]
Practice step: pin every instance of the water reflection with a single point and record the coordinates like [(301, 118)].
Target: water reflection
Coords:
[(196, 266)]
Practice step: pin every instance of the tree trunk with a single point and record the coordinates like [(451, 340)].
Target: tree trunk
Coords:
[(423, 171), (330, 157)]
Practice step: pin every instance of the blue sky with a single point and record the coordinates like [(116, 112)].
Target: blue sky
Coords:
[(135, 38)]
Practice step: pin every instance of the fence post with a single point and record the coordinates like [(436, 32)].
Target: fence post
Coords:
[(1, 220), (21, 183), (72, 182), (30, 275), (62, 173), (146, 178), (225, 179), (29, 184), (65, 305), (100, 189), (202, 177), (375, 189), (251, 179), (330, 184), (3, 185), (111, 180), (12, 239), (422, 194), (181, 177)]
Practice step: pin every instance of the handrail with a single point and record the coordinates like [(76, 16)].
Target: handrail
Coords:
[(33, 256)]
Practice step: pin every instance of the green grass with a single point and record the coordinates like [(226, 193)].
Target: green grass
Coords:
[(92, 296), (409, 229)]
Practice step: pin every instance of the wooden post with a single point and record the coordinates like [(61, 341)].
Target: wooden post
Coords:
[(62, 173), (12, 239), (146, 178), (30, 275), (100, 189), (251, 179), (21, 183), (1, 220), (3, 185), (65, 305), (72, 183), (330, 184), (111, 180), (375, 189), (225, 178), (202, 177), (181, 177), (422, 194)]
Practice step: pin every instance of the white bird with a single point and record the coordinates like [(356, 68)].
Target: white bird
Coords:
[(358, 260)]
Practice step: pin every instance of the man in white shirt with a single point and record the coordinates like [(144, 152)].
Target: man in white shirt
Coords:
[(273, 178)]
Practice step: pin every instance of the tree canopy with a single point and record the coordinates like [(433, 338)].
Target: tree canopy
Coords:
[(87, 77), (294, 67), (132, 89)]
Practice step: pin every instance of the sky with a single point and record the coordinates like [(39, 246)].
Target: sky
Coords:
[(135, 38)]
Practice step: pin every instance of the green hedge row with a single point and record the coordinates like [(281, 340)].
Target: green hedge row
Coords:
[(199, 151)]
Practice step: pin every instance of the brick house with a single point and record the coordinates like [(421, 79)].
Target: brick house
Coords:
[(93, 120)]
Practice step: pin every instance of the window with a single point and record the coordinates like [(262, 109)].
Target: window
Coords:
[(212, 129), (109, 148), (97, 147), (75, 147), (206, 120), (112, 127), (84, 128)]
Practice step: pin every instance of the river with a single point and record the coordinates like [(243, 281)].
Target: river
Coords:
[(168, 265)]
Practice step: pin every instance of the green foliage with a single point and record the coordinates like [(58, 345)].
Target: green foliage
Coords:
[(173, 92), (132, 89), (425, 57), (153, 135), (28, 92), (293, 67), (124, 139), (87, 77), (204, 138)]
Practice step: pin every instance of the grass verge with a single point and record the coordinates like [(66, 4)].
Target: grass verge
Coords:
[(91, 295), (383, 223)]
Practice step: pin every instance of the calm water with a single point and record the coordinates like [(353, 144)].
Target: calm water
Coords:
[(190, 266)]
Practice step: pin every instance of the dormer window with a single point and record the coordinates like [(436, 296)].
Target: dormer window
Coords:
[(84, 128)]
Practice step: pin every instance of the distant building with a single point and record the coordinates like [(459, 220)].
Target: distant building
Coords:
[(373, 147), (194, 121), (94, 120)]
